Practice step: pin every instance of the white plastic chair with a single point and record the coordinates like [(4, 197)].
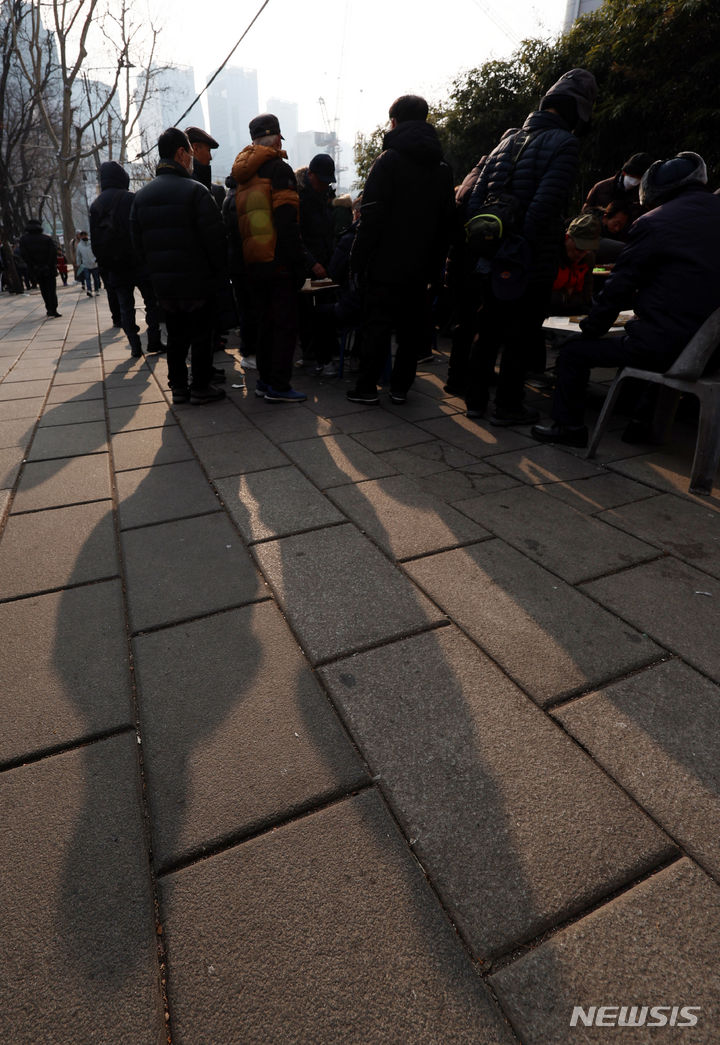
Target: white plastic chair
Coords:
[(685, 375)]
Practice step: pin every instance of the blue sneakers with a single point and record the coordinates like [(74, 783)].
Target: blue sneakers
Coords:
[(289, 396), (261, 388)]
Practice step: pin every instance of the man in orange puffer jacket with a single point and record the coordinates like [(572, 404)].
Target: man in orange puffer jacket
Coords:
[(267, 207)]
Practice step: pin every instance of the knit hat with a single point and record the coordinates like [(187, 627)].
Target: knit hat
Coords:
[(579, 84), (664, 178), (637, 164), (585, 231)]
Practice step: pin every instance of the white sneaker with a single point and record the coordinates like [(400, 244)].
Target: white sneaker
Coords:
[(248, 362)]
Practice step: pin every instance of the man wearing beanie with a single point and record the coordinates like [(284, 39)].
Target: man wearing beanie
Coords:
[(623, 187), (537, 165), (667, 273)]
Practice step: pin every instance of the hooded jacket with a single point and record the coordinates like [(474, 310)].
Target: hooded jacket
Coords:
[(317, 225), (541, 180), (178, 233), (110, 226), (267, 207), (407, 209), (38, 251), (667, 273)]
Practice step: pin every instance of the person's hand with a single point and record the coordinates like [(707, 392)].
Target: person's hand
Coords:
[(319, 271)]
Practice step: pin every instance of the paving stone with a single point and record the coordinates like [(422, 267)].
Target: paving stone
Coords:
[(282, 426), (565, 541), (655, 945), (402, 434), (77, 925), (187, 568), (20, 374), (57, 548), (128, 375), (64, 665), (598, 493), (403, 519), (163, 492), (656, 734), (340, 593), (49, 484), (150, 446), (149, 415), (25, 390), (117, 397), (546, 464), (366, 421), (73, 413), (458, 486), (687, 530), (515, 826), (335, 460), (4, 504), (74, 393), (432, 458), (668, 470), (212, 419), (550, 638), (237, 734), (17, 432), (12, 409), (275, 503), (237, 452), (78, 376), (10, 460), (476, 437), (68, 441), (673, 603), (334, 901)]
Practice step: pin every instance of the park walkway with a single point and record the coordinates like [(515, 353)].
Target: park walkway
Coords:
[(335, 724)]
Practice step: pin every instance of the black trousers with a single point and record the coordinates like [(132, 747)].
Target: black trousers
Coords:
[(579, 356), (189, 331), (514, 325), (48, 289), (405, 309), (126, 302), (276, 302)]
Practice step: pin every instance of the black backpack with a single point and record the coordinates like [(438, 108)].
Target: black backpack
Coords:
[(501, 215)]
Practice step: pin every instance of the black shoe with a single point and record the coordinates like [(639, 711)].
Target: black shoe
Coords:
[(398, 398), (180, 395), (136, 347), (563, 435), (218, 375), (209, 394), (453, 390), (503, 416), (157, 346), (368, 398), (54, 315)]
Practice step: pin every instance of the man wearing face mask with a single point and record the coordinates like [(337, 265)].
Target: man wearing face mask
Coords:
[(623, 187)]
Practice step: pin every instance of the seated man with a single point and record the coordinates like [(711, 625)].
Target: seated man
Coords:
[(667, 273), (573, 286), (623, 186)]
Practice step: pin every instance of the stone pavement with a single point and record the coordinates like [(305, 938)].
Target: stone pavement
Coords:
[(328, 723)]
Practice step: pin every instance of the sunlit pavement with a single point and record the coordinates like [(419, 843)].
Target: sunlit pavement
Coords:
[(332, 723)]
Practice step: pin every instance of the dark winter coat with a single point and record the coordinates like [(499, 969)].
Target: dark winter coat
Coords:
[(178, 233), (667, 273), (541, 180), (407, 209), (38, 251), (110, 237), (317, 226)]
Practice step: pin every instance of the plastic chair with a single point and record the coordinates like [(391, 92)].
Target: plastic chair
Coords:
[(685, 375)]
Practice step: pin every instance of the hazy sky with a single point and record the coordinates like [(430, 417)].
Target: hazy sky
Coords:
[(356, 54)]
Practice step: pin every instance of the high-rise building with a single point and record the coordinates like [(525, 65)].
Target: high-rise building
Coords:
[(287, 114), (170, 91), (232, 103), (576, 8)]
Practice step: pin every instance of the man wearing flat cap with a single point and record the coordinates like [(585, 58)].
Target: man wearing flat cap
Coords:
[(267, 208), (202, 143)]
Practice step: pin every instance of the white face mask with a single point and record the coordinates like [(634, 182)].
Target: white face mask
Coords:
[(630, 183)]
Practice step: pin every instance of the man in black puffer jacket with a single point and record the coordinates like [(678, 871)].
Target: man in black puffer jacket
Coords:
[(112, 246), (178, 233), (400, 247), (40, 254), (545, 151), (667, 273)]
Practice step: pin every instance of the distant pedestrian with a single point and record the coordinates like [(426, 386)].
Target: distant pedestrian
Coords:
[(62, 266), (86, 265), (40, 255)]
